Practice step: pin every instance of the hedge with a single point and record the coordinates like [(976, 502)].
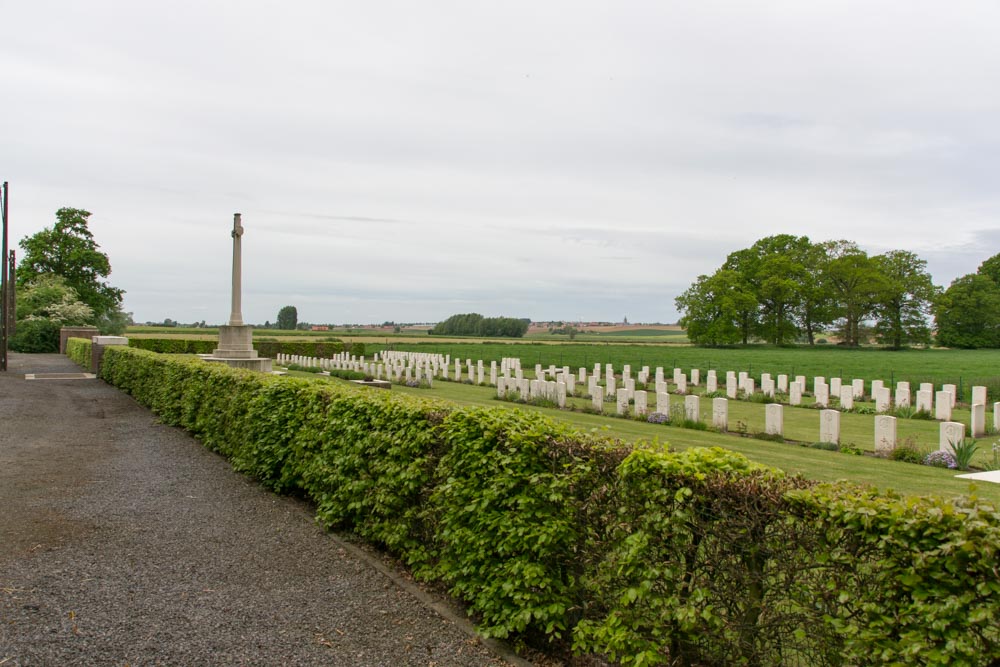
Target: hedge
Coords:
[(266, 348), (646, 556), (78, 349)]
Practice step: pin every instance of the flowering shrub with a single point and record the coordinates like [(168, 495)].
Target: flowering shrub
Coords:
[(940, 459), (657, 418)]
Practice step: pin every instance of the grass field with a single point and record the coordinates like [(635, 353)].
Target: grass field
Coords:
[(801, 424)]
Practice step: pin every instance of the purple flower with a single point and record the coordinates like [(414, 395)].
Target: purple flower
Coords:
[(940, 459), (657, 418)]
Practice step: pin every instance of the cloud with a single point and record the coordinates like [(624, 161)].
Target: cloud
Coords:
[(548, 160)]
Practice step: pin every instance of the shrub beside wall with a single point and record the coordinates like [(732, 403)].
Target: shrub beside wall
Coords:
[(652, 557), (78, 349)]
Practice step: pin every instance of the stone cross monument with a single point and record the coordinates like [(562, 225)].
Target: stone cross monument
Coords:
[(236, 339), (236, 317)]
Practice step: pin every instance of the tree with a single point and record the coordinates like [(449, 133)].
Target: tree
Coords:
[(991, 269), (68, 249), (855, 284), (288, 318), (904, 303), (967, 314), (715, 309), (45, 305)]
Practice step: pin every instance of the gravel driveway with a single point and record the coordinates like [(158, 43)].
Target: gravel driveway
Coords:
[(125, 542)]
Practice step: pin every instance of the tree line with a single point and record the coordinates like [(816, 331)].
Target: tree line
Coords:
[(474, 324), (785, 289)]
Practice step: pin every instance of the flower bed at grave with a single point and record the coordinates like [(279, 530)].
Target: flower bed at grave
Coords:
[(650, 557)]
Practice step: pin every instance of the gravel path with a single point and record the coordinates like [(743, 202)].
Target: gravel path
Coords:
[(125, 542)]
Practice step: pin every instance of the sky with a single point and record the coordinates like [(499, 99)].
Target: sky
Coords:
[(552, 159)]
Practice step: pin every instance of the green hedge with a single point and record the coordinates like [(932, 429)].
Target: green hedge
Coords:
[(646, 556), (78, 349), (266, 348)]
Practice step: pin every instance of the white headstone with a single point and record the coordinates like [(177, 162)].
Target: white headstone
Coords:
[(609, 389), (663, 403), (846, 398), (978, 420), (978, 395), (640, 403), (597, 398), (925, 400), (801, 379), (882, 403), (711, 382), (681, 382), (731, 386), (691, 407), (902, 395), (927, 386), (835, 385), (783, 384), (953, 390), (942, 405), (767, 387), (829, 426), (622, 402), (561, 394), (951, 433), (774, 419), (818, 380), (859, 389), (885, 434), (822, 393), (795, 394), (720, 414), (695, 376)]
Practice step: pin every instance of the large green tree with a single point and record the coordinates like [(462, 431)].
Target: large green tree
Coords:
[(68, 249), (716, 309), (904, 302), (855, 283), (967, 314), (288, 318)]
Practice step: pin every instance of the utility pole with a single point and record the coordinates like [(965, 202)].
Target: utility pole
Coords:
[(5, 299)]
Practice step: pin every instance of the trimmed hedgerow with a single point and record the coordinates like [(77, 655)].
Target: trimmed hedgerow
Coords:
[(79, 350), (266, 348), (649, 557)]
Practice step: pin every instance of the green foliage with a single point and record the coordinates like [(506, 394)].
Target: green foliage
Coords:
[(304, 369), (784, 287), (967, 314), (357, 349), (79, 350), (905, 580), (68, 250), (288, 318), (907, 451), (697, 557), (44, 305), (964, 451), (36, 336), (474, 324)]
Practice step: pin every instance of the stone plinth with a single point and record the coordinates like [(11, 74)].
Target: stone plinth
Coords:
[(236, 349), (98, 343)]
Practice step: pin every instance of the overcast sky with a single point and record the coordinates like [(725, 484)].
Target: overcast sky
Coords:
[(547, 159)]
